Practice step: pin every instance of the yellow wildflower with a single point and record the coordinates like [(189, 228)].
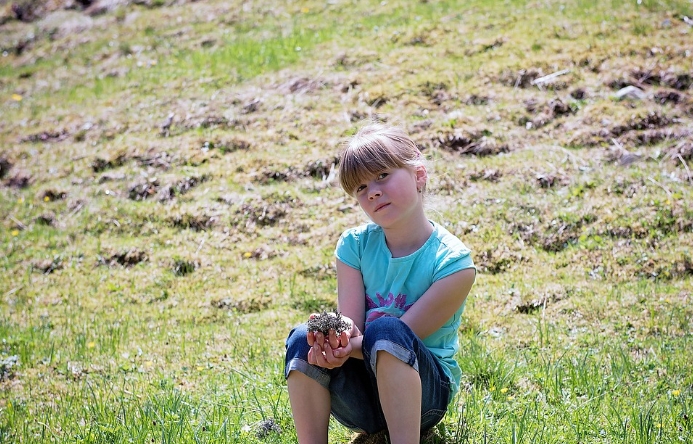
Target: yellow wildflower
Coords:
[(504, 390), (15, 232), (676, 392), (91, 344), (46, 199), (247, 254), (16, 97)]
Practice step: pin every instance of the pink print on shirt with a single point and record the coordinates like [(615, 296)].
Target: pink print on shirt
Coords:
[(399, 302)]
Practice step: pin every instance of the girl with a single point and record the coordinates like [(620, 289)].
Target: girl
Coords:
[(402, 281)]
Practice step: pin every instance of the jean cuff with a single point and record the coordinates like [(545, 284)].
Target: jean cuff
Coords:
[(309, 370), (396, 350)]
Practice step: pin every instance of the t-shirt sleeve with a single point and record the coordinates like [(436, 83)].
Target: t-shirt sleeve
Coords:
[(453, 260), (347, 249)]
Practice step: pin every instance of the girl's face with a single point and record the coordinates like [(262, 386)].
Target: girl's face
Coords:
[(391, 197)]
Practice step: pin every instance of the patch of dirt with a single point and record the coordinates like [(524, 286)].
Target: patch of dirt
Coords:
[(48, 266), (437, 92), (183, 267), (5, 166), (544, 299), (318, 169), (548, 112), (682, 150), (556, 236), (50, 195), (111, 177), (669, 96), (319, 272), (488, 174), (7, 367), (46, 136), (100, 164), (59, 24), (47, 218), (251, 106), (652, 224), (477, 100), (647, 128), (143, 189), (498, 260), (579, 93), (19, 179), (253, 304), (625, 187), (195, 222), (655, 136), (146, 188), (652, 119), (228, 144), (526, 78), (663, 77), (180, 187), (680, 268), (481, 47), (263, 213), (263, 252), (126, 258), (445, 184), (156, 159), (375, 97), (470, 143), (303, 85), (551, 180)]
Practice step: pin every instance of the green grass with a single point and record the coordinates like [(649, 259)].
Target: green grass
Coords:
[(164, 319)]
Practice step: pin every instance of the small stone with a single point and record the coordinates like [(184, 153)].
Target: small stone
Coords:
[(630, 92)]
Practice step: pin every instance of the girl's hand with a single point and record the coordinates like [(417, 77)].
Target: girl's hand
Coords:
[(324, 355), (331, 351)]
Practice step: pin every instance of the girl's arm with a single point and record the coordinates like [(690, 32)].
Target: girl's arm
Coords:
[(333, 352), (439, 303), (351, 294)]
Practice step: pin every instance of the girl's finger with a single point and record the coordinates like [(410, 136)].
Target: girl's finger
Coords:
[(334, 341)]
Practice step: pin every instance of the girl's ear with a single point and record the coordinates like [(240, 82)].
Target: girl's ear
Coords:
[(421, 176)]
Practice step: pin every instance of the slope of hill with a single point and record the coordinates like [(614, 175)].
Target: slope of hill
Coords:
[(169, 208)]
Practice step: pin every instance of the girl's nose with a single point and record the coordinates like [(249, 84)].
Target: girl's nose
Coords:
[(373, 193)]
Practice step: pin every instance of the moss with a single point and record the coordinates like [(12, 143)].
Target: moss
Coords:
[(325, 322)]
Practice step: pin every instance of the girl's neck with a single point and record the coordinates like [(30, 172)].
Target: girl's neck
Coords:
[(405, 240)]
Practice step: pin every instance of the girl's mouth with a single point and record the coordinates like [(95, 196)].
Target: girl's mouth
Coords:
[(380, 207)]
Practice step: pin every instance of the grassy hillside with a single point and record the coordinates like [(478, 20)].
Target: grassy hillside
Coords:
[(169, 208)]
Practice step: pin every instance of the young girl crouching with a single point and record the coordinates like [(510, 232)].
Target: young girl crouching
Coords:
[(402, 281)]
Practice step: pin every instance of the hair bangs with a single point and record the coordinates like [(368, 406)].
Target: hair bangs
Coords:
[(361, 161)]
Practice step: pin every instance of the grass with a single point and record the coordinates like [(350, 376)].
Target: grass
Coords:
[(150, 275)]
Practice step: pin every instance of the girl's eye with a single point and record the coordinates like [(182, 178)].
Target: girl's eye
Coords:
[(360, 188), (383, 175)]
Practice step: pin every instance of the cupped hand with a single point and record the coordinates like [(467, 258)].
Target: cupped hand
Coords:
[(323, 354), (331, 351)]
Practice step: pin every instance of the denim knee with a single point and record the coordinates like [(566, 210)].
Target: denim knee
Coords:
[(391, 335)]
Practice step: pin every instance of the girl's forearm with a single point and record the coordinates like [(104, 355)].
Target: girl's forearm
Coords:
[(356, 351)]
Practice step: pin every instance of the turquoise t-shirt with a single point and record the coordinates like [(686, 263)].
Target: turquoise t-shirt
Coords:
[(395, 284)]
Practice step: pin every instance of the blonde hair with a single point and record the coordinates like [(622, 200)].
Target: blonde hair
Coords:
[(374, 148)]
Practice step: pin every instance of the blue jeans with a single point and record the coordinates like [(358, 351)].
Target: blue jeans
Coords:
[(353, 386)]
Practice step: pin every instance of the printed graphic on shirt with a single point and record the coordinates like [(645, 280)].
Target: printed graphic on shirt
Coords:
[(389, 305)]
